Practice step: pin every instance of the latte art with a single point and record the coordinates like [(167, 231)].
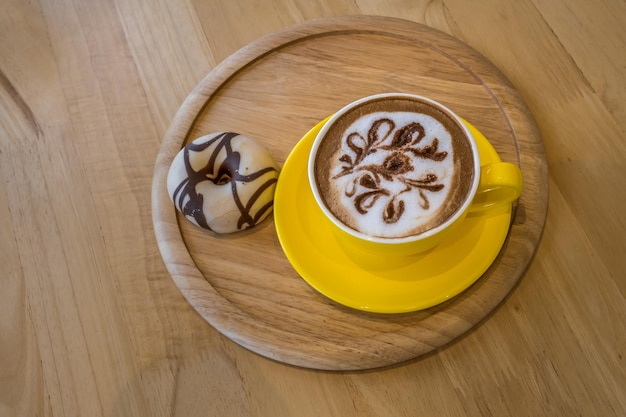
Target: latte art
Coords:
[(384, 156), (395, 171)]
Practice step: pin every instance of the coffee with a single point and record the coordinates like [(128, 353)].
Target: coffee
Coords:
[(394, 166)]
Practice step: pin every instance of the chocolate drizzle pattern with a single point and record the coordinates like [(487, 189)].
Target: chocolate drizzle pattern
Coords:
[(223, 172), (400, 150)]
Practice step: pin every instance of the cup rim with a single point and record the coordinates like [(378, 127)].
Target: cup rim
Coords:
[(393, 240)]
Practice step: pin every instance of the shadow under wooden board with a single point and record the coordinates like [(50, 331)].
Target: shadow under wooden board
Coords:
[(275, 90)]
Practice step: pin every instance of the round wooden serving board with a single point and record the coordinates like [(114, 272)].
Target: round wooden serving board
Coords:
[(275, 90)]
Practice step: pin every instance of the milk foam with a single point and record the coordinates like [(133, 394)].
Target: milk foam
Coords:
[(369, 187)]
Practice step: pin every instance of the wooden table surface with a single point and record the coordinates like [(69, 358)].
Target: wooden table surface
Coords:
[(91, 323)]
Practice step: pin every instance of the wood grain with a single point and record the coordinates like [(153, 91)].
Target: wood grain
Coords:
[(91, 322), (277, 88)]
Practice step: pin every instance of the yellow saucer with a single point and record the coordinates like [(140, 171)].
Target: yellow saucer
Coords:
[(391, 285)]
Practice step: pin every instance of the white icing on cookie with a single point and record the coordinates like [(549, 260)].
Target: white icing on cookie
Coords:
[(223, 182)]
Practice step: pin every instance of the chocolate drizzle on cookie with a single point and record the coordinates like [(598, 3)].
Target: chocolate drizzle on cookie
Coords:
[(224, 171)]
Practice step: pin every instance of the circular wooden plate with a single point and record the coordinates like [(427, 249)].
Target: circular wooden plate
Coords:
[(275, 90)]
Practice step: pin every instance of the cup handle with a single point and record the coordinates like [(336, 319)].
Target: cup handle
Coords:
[(500, 183)]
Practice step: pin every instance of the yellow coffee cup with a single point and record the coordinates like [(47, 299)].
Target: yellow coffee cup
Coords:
[(395, 173)]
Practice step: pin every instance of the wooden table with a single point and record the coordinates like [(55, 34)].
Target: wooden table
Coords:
[(91, 322)]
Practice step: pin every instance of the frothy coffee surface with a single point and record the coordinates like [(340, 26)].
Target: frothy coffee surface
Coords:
[(394, 167)]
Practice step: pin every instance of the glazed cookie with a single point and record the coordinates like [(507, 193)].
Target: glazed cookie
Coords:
[(223, 182)]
